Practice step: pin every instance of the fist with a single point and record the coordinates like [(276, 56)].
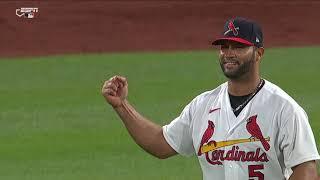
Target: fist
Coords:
[(115, 90)]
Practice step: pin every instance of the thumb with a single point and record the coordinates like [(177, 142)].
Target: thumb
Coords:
[(122, 80)]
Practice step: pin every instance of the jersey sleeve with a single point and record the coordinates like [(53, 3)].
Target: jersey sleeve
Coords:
[(297, 140), (178, 132)]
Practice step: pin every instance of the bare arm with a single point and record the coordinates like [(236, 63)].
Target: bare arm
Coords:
[(146, 134), (307, 170)]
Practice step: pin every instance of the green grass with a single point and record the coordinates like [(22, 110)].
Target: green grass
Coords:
[(56, 125)]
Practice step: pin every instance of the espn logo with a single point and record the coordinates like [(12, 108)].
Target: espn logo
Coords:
[(26, 12)]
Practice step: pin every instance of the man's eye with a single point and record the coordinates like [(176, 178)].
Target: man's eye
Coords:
[(240, 47)]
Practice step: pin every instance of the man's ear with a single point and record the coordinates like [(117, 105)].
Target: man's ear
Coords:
[(259, 53)]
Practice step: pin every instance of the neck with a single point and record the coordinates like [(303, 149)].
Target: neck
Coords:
[(241, 87)]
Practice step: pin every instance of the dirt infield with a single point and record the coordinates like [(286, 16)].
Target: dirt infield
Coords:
[(117, 26)]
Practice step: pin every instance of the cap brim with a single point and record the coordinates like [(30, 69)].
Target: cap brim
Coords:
[(221, 41)]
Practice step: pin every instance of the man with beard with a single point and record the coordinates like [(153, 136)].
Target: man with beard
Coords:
[(247, 128)]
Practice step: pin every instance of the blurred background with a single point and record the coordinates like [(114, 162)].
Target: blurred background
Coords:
[(53, 61)]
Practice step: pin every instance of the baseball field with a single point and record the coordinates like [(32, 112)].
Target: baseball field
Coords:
[(56, 125)]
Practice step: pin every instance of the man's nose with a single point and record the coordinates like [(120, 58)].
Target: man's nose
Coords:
[(229, 52)]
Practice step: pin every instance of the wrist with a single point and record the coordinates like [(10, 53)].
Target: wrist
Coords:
[(121, 105)]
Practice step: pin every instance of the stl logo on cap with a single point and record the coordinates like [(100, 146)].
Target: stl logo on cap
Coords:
[(232, 28)]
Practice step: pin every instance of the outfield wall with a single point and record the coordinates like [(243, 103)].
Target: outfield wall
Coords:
[(117, 26)]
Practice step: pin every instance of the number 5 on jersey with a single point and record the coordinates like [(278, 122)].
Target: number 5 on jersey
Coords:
[(254, 172)]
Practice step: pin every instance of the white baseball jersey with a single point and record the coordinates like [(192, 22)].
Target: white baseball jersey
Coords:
[(269, 136)]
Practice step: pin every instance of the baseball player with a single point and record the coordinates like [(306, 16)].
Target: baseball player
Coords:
[(245, 129)]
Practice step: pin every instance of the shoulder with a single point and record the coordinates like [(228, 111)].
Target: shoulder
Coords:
[(209, 95), (200, 103), (281, 100)]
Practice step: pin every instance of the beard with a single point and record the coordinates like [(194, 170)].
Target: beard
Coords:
[(240, 70)]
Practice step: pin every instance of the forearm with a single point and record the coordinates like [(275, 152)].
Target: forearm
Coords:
[(304, 171), (303, 176), (145, 133)]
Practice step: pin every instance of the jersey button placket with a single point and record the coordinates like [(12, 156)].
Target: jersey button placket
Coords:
[(228, 171), (229, 166)]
